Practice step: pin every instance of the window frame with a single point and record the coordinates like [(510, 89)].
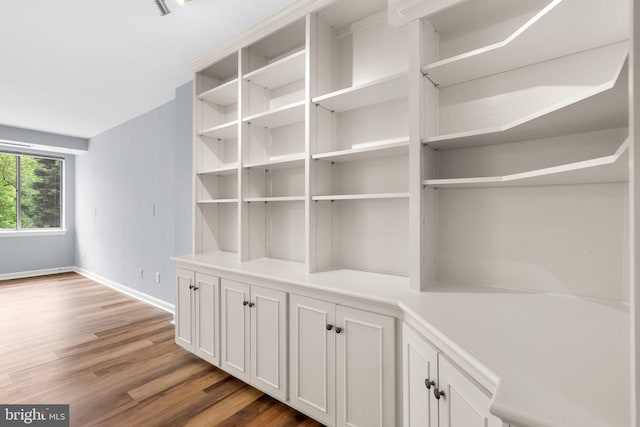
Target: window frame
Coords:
[(19, 231)]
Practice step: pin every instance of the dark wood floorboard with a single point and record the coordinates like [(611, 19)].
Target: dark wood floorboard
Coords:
[(67, 339)]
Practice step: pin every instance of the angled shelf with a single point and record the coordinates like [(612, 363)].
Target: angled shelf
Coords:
[(278, 117), (281, 162), (373, 150), (228, 169), (223, 131), (280, 72), (613, 168), (275, 199), (560, 20), (374, 92), (362, 196), (225, 94), (216, 201), (601, 107)]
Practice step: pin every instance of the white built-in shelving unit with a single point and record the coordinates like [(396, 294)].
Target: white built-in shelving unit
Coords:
[(307, 149), (302, 144), (476, 151), (525, 158), (359, 147)]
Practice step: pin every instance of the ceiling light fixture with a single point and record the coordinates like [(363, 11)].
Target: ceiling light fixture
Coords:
[(164, 10), (182, 2)]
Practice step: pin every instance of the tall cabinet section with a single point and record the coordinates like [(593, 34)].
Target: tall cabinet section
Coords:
[(524, 127), (359, 147)]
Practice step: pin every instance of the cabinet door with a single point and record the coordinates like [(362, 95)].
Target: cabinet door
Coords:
[(269, 341), (235, 329), (420, 374), (365, 368), (206, 319), (312, 354), (184, 309), (465, 403)]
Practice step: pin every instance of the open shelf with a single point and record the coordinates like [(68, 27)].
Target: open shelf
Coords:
[(225, 94), (281, 162), (217, 201), (279, 117), (601, 107), (559, 21), (223, 131), (275, 199), (229, 169), (613, 168), (362, 196), (280, 72), (372, 150), (374, 92)]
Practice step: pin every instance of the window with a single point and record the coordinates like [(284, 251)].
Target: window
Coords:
[(30, 192)]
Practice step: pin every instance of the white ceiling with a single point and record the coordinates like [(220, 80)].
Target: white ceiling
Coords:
[(80, 67)]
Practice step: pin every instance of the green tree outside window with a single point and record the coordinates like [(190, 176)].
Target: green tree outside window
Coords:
[(39, 182)]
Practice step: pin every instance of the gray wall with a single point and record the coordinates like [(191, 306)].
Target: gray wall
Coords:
[(130, 169), (30, 253)]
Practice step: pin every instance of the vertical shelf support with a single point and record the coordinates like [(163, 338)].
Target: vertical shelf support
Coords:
[(309, 137), (634, 207), (417, 242), (243, 143)]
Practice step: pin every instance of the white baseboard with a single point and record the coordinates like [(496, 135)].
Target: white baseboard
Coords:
[(36, 273), (163, 305)]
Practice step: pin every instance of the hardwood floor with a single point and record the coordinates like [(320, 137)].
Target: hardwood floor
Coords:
[(67, 339)]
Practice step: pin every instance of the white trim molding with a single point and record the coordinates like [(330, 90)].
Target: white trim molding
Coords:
[(35, 273), (141, 296), (295, 11)]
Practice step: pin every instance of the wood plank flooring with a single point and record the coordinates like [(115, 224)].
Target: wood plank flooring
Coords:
[(67, 339)]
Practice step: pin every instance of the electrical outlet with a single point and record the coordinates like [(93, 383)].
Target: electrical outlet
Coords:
[(157, 277), (141, 272)]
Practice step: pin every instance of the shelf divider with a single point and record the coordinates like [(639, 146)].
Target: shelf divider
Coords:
[(228, 169), (224, 94), (275, 199), (279, 73), (370, 93), (560, 20), (223, 131), (613, 168), (601, 107), (278, 117), (284, 162), (362, 196), (216, 201), (377, 149)]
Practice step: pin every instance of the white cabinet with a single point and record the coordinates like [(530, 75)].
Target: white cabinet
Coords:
[(254, 336), (342, 363), (436, 393), (197, 310)]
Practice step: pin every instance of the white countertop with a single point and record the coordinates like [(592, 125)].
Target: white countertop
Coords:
[(558, 361)]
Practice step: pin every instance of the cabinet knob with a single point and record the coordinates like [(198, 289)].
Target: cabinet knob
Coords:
[(338, 330), (329, 327), (251, 304), (438, 393), (428, 383), (195, 288), (190, 286), (245, 302)]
